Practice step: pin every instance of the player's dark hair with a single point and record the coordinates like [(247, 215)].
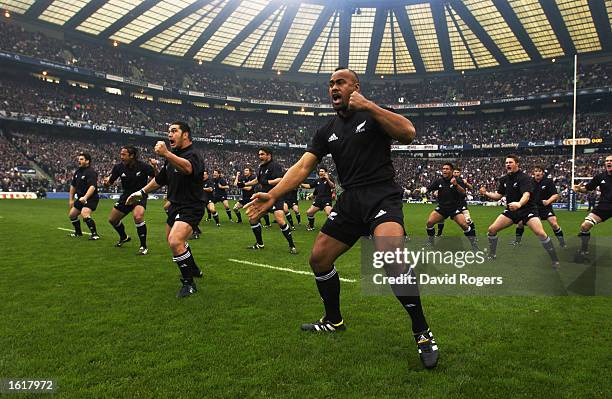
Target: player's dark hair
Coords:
[(324, 168), (538, 167), (449, 164), (512, 156), (133, 151), (184, 127), (267, 150), (350, 70), (217, 170), (86, 155), (249, 169)]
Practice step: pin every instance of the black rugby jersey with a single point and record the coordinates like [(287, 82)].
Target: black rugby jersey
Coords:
[(246, 194), (360, 148), (448, 195), (514, 185), (543, 190), (84, 178), (268, 171), (208, 183), (322, 189), (219, 181), (183, 189), (133, 177), (604, 182)]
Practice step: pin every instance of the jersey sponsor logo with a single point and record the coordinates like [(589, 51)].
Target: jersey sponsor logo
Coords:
[(380, 213), (361, 127), (515, 184), (543, 187), (333, 137), (138, 173), (82, 177), (332, 215)]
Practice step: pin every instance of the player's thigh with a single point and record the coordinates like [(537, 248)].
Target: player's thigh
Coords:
[(211, 207), (499, 224), (328, 209), (138, 213), (390, 237), (86, 212), (115, 216), (279, 216), (535, 224), (312, 210), (325, 251), (434, 217), (73, 213), (226, 204), (179, 233), (460, 220), (296, 209), (589, 221)]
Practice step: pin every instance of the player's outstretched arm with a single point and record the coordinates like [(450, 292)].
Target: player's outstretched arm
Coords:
[(395, 125), (296, 174)]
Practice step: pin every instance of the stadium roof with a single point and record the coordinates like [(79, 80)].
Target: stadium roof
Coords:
[(374, 37)]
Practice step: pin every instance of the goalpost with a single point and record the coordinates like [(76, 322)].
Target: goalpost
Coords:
[(572, 206)]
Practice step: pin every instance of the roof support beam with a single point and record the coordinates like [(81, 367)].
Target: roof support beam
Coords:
[(314, 34), (462, 37), (84, 13), (517, 28), (214, 25), (408, 33), (127, 18), (344, 44), (439, 17), (281, 34), (179, 16), (556, 21), (599, 13), (482, 35), (37, 8), (380, 19), (246, 31)]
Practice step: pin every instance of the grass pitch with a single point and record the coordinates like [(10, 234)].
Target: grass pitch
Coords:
[(103, 322)]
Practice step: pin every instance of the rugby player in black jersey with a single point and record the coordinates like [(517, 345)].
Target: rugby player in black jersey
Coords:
[(518, 188), (603, 209), (220, 187), (292, 203), (133, 174), (85, 186), (268, 175), (246, 191), (182, 173), (359, 139), (545, 194), (464, 206), (323, 188), (451, 195)]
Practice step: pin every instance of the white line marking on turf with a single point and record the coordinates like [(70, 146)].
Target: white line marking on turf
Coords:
[(71, 230), (284, 269)]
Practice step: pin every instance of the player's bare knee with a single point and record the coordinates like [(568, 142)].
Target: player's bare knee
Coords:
[(318, 261), (491, 231)]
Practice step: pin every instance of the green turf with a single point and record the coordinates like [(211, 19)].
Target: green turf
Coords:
[(103, 322)]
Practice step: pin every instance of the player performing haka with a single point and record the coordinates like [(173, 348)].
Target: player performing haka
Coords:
[(545, 194), (84, 185), (451, 195), (517, 187), (133, 174), (323, 189), (220, 187), (602, 211), (464, 206), (182, 173), (291, 202), (246, 191), (269, 174), (359, 140)]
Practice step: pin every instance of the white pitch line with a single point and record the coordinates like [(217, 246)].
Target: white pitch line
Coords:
[(71, 230), (284, 269)]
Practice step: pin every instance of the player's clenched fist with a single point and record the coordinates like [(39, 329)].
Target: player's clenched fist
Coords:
[(161, 149), (134, 197), (482, 191), (358, 102)]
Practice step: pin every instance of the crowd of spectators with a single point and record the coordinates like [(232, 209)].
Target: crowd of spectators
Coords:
[(39, 98), (57, 156), (187, 74)]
